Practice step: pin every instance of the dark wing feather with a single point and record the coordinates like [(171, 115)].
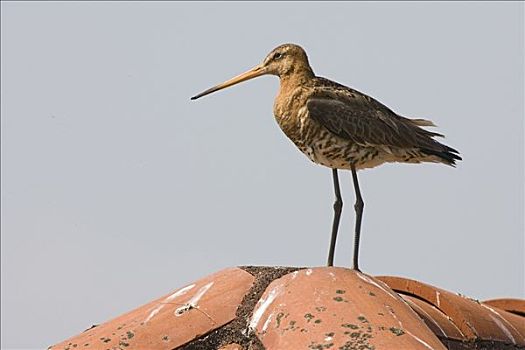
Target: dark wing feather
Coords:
[(354, 116)]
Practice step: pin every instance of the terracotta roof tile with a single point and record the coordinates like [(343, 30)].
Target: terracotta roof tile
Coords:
[(516, 306), (275, 308), (475, 320), (172, 320), (435, 319), (322, 308)]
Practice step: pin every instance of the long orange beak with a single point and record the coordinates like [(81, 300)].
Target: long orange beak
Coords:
[(252, 73)]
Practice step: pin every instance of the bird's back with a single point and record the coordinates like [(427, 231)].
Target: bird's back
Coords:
[(335, 125)]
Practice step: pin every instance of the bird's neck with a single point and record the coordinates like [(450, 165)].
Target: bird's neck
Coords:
[(299, 76), (292, 91)]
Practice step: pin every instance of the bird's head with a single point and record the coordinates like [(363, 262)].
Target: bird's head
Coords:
[(283, 61)]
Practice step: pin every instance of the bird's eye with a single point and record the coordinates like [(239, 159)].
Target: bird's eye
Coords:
[(277, 55)]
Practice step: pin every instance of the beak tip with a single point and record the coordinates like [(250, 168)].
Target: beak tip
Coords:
[(252, 73)]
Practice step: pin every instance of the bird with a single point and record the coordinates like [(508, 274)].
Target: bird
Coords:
[(341, 128)]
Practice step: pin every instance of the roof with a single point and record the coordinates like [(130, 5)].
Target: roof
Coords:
[(457, 319), (309, 308)]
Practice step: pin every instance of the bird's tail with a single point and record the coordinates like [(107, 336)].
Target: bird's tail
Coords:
[(445, 154), (422, 122), (439, 151)]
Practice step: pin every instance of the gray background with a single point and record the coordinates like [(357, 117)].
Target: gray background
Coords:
[(117, 189)]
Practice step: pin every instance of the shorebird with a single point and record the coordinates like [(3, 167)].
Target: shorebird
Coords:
[(341, 128)]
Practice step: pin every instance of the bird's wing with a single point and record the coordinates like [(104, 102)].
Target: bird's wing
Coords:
[(354, 116)]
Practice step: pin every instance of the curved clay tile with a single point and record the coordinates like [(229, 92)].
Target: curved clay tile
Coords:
[(516, 306), (436, 320), (337, 308), (172, 320), (474, 320)]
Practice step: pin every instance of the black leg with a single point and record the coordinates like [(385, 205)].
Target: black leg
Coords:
[(338, 206), (359, 205)]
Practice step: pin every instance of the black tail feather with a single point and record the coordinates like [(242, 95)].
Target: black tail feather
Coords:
[(448, 154)]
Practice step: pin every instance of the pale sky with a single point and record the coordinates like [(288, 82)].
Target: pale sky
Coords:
[(116, 188)]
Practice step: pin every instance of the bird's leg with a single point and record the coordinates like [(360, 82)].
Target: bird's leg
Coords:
[(359, 205), (338, 206)]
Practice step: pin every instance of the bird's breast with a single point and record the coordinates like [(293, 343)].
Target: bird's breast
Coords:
[(289, 106), (312, 139)]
